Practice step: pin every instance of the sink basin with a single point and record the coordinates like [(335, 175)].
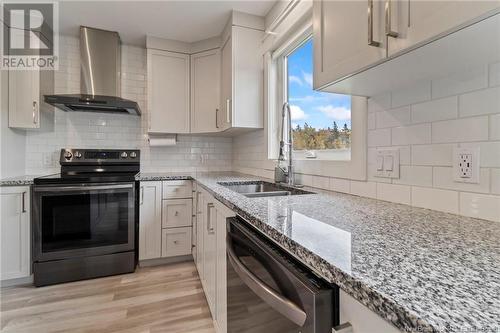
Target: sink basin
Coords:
[(254, 189)]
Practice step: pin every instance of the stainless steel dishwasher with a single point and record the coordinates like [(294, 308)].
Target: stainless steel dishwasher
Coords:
[(268, 291)]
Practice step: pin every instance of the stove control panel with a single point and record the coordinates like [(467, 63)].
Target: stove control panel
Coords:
[(99, 156)]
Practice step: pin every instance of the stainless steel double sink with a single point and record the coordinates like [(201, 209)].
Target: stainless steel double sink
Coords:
[(253, 189)]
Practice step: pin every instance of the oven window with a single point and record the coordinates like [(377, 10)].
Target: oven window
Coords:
[(84, 220)]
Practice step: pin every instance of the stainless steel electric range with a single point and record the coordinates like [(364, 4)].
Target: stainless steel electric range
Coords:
[(85, 219)]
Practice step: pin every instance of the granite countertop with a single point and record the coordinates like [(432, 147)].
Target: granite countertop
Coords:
[(156, 176), (24, 180), (421, 270)]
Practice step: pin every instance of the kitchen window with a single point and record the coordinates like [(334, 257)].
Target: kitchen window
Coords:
[(329, 130), (321, 121)]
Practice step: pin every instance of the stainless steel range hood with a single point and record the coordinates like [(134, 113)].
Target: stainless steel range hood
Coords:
[(100, 83)]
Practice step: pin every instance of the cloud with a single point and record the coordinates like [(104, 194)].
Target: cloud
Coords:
[(297, 113), (335, 112), (295, 79), (308, 78)]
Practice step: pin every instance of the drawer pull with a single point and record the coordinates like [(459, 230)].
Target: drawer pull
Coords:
[(175, 242), (176, 213)]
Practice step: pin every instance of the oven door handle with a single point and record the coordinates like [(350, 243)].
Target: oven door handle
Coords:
[(80, 188), (281, 304)]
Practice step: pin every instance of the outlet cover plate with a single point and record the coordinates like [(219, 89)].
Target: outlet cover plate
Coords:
[(466, 166)]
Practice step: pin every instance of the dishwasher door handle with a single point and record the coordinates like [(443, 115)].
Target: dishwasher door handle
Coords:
[(281, 304)]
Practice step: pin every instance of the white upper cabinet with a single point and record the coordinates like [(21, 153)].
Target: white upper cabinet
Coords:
[(368, 47), (205, 92), (24, 99), (346, 39), (418, 21), (15, 232), (242, 79), (168, 91)]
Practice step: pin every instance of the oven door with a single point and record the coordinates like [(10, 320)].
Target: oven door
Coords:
[(83, 220)]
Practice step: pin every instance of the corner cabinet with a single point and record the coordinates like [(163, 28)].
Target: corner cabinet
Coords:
[(211, 255), (205, 92), (352, 37), (241, 79), (168, 92), (15, 232)]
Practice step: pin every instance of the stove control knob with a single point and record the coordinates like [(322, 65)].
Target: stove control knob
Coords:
[(68, 155), (124, 154), (78, 154), (133, 154)]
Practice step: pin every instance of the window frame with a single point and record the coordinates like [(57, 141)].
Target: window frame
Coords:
[(276, 91)]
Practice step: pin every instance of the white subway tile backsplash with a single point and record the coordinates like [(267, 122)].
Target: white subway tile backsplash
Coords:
[(431, 198), (413, 134), (415, 175), (480, 102), (494, 74), (393, 118), (437, 154), (419, 92), (379, 103), (440, 109), (394, 193), (364, 189), (379, 137), (443, 178), (480, 206), (495, 127), (468, 80), (489, 153), (341, 185), (495, 181), (460, 130), (372, 120)]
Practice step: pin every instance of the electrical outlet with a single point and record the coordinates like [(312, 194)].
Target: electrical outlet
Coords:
[(466, 164)]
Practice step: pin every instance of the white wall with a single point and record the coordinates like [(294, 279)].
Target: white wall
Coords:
[(98, 130), (12, 141), (425, 121)]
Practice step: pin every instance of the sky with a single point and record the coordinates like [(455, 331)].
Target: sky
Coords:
[(318, 109)]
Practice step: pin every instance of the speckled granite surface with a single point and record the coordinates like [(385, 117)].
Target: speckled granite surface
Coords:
[(422, 270), (163, 176), (17, 181)]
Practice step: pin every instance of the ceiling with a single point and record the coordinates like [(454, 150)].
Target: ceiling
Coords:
[(187, 21)]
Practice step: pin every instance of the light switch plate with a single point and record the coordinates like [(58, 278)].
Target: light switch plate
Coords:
[(466, 165), (390, 163)]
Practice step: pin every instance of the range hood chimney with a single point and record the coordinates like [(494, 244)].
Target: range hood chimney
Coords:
[(100, 82)]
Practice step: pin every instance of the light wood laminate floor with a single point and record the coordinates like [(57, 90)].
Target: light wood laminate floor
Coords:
[(154, 299)]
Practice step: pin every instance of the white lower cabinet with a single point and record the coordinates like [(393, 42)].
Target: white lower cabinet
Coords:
[(15, 232), (165, 224), (211, 254)]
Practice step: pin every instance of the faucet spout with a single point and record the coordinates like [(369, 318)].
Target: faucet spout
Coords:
[(279, 172)]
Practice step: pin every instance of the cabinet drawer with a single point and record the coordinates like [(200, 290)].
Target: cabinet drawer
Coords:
[(176, 242), (177, 213), (174, 189)]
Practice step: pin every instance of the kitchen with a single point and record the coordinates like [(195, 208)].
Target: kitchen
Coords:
[(250, 166)]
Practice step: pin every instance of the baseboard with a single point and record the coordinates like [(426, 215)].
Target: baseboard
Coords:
[(17, 282), (163, 261)]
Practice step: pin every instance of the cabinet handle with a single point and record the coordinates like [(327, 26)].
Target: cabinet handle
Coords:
[(142, 195), (228, 104), (216, 118), (34, 112), (343, 328), (23, 198), (371, 42), (176, 213), (388, 19), (210, 228)]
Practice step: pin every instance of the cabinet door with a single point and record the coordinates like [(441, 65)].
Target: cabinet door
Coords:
[(418, 21), (205, 91), (226, 117), (200, 220), (24, 99), (176, 242), (168, 92), (15, 232), (210, 261), (150, 221), (341, 38)]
